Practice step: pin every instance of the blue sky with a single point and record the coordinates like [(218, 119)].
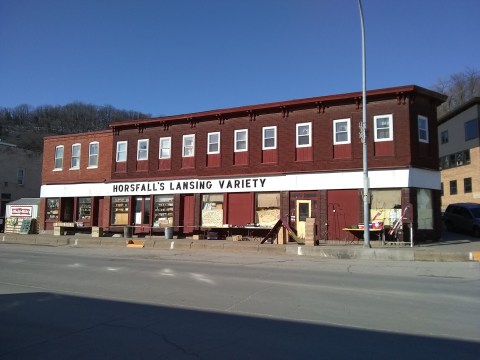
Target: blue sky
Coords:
[(180, 56)]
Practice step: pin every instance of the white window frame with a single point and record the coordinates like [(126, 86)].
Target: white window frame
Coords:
[(210, 143), (142, 149), (274, 146), (376, 129), (348, 131), (236, 141), (185, 147), (20, 176), (162, 141), (75, 157), (309, 126), (93, 157), (423, 120), (58, 158), (124, 152)]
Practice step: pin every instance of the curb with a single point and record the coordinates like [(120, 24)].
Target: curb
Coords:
[(344, 253)]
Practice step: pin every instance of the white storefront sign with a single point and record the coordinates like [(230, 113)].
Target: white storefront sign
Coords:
[(318, 181)]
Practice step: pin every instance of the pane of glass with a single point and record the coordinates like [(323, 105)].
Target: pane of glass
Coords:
[(303, 140), (241, 145), (303, 211), (303, 130), (269, 133), (383, 133), (341, 137), (213, 138), (213, 148), (146, 211), (241, 135), (269, 143), (341, 126)]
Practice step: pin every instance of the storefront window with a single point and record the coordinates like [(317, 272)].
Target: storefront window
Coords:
[(212, 210), (424, 209), (84, 208), (53, 206), (385, 206), (163, 211), (267, 211), (120, 210)]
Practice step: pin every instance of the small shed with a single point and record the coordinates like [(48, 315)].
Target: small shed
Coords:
[(21, 216)]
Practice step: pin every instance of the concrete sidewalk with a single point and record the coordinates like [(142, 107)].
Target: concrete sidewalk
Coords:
[(453, 247)]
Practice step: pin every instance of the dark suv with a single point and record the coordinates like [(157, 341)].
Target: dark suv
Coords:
[(463, 217)]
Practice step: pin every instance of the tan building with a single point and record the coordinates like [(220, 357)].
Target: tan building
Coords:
[(459, 151), (20, 174)]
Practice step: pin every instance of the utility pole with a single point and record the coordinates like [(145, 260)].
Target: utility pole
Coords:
[(364, 137)]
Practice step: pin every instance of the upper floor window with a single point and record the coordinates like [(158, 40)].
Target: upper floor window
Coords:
[(188, 145), (20, 176), (304, 135), (75, 164), (423, 129), (241, 140), (165, 148), (121, 151), (269, 138), (58, 157), (471, 129), (213, 146), (142, 149), (467, 185), (93, 148), (453, 187), (383, 125), (341, 131), (444, 137)]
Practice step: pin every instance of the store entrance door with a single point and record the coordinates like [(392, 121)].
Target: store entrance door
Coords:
[(303, 211), (142, 214)]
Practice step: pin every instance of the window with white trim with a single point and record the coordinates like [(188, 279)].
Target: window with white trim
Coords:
[(341, 131), (269, 138), (241, 140), (93, 149), (121, 151), (383, 125), (75, 163), (304, 135), (213, 140), (58, 164), (165, 148), (423, 129), (142, 149), (188, 145)]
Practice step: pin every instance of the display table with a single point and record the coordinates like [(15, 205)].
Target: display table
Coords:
[(378, 234)]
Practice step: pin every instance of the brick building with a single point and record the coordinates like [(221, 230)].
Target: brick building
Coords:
[(459, 151), (245, 167)]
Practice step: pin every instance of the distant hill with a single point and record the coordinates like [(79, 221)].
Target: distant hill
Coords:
[(26, 126)]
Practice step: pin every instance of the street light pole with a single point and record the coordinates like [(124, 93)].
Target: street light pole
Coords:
[(364, 135)]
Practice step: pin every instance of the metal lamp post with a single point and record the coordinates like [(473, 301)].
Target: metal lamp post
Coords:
[(363, 134)]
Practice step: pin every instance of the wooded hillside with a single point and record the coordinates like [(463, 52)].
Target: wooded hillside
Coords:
[(26, 126)]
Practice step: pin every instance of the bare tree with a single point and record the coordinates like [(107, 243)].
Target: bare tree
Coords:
[(460, 87)]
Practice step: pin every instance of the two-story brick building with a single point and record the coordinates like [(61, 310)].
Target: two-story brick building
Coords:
[(251, 165)]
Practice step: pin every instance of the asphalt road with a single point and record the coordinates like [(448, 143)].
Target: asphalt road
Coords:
[(74, 303)]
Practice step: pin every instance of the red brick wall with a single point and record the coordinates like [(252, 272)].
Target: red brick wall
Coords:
[(49, 176), (399, 153)]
